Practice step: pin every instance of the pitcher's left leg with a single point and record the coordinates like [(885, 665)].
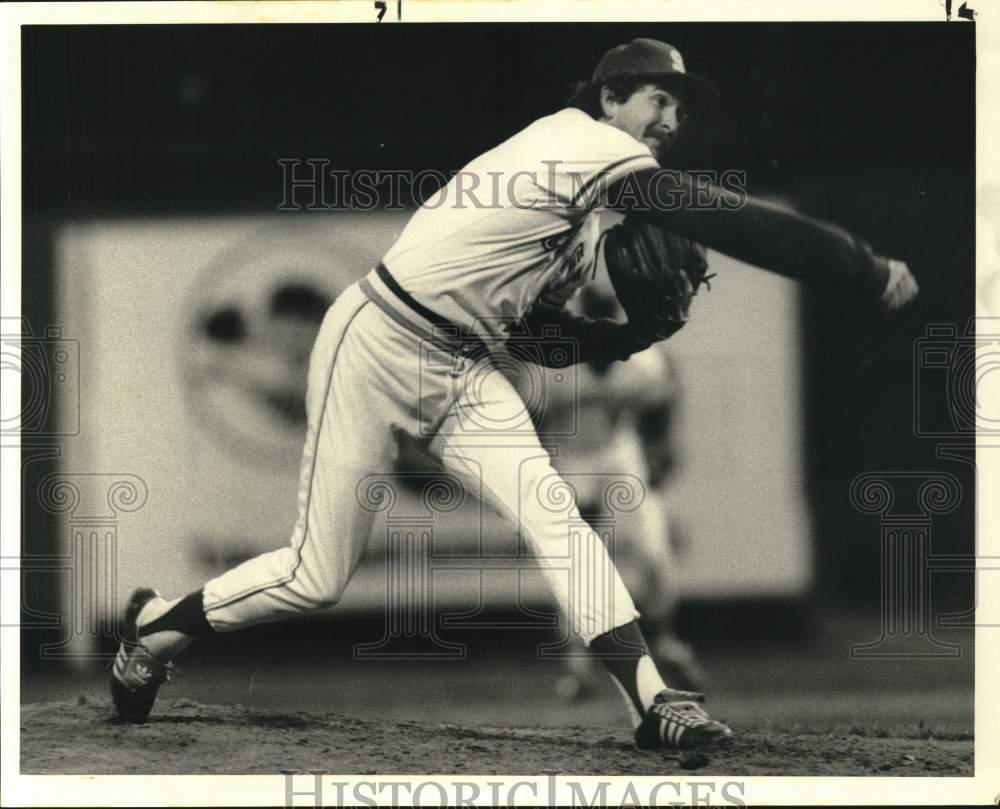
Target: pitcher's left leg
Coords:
[(489, 443)]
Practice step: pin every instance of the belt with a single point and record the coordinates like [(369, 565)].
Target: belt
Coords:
[(449, 335)]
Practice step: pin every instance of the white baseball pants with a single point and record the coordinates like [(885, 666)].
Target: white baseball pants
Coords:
[(369, 376)]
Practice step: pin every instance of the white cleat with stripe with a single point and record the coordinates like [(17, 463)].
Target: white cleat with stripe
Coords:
[(676, 721)]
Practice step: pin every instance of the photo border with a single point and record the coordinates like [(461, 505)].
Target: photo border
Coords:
[(18, 790)]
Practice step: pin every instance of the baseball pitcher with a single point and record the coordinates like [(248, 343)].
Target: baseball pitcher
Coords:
[(411, 347)]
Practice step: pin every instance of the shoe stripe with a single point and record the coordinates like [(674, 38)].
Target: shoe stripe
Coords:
[(676, 722)]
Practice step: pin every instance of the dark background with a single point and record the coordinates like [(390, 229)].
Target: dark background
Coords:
[(870, 125)]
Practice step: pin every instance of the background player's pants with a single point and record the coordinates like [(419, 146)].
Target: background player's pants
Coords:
[(642, 546), (369, 377)]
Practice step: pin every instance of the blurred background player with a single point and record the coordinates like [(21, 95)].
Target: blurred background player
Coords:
[(617, 429)]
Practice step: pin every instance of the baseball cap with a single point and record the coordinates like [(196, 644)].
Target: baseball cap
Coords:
[(665, 62)]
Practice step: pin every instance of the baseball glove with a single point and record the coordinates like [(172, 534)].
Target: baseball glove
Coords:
[(655, 274)]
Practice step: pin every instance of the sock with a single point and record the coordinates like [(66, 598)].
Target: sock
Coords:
[(167, 628), (624, 653)]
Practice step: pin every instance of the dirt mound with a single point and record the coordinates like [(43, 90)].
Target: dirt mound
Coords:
[(189, 737)]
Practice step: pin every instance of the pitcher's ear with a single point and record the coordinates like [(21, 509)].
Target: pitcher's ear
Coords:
[(609, 102)]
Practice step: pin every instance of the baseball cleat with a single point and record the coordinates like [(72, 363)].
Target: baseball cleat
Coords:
[(675, 721), (136, 675)]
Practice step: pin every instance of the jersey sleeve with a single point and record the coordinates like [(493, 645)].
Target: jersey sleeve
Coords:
[(753, 230), (586, 157)]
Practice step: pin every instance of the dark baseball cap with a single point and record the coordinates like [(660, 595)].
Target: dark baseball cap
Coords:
[(663, 61)]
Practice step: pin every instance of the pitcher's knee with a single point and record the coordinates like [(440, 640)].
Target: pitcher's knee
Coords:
[(319, 596)]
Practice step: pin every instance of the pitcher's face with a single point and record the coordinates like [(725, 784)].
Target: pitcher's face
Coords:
[(651, 115)]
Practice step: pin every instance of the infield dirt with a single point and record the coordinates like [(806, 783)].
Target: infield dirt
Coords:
[(185, 736)]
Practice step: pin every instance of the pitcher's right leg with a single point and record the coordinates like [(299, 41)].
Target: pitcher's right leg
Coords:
[(348, 437), (353, 400)]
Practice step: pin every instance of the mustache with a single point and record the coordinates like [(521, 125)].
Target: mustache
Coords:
[(661, 134), (664, 138)]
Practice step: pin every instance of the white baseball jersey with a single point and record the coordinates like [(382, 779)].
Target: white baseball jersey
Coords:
[(513, 226)]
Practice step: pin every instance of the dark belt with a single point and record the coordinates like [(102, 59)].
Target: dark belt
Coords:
[(465, 342)]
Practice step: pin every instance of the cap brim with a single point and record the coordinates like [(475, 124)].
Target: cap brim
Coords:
[(695, 91)]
